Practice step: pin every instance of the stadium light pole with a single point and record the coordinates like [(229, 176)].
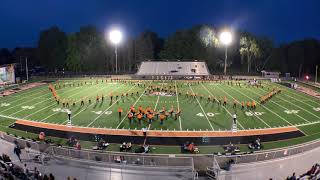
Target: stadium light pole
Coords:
[(225, 38), (27, 69), (115, 37)]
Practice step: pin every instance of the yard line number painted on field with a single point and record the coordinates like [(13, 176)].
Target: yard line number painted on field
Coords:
[(249, 113), (316, 109), (291, 111), (99, 112), (210, 114), (4, 104), (63, 110), (27, 107)]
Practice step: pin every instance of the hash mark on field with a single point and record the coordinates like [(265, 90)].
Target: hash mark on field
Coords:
[(301, 107), (24, 96), (285, 108), (76, 102), (108, 108), (298, 93), (202, 109), (25, 102), (133, 105), (222, 106), (253, 113), (58, 111), (36, 104), (265, 107), (298, 107)]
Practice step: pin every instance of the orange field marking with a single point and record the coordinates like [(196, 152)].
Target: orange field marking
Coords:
[(157, 133)]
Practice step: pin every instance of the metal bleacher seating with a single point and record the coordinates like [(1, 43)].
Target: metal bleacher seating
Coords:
[(173, 68)]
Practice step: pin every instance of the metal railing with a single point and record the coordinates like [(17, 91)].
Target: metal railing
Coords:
[(199, 162)]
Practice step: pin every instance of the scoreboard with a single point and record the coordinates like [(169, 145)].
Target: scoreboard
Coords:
[(7, 74)]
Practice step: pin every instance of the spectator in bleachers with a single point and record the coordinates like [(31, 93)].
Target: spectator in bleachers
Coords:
[(17, 151), (255, 145), (313, 172)]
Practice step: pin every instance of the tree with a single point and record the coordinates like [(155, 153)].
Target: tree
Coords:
[(52, 47), (249, 49), (147, 46), (73, 62)]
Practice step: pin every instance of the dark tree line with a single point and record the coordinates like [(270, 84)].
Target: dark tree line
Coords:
[(88, 51)]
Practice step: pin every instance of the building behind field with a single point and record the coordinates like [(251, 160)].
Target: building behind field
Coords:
[(270, 74)]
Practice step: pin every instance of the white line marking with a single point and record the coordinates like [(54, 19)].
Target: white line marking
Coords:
[(222, 106), (155, 107), (70, 104), (253, 113), (38, 103), (133, 105), (297, 93), (266, 108), (298, 107), (26, 102), (205, 114), (175, 82), (101, 113), (284, 108)]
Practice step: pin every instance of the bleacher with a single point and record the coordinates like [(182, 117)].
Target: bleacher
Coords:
[(173, 68)]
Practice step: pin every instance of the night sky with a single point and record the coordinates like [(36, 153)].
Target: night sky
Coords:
[(283, 20)]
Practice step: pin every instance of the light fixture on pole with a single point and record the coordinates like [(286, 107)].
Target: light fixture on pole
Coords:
[(115, 37), (225, 38)]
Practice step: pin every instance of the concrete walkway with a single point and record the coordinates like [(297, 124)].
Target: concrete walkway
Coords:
[(62, 168), (275, 169)]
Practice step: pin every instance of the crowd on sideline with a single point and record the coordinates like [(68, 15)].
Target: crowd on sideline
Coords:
[(312, 174), (12, 171)]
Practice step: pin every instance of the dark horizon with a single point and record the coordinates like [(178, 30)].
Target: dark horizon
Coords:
[(283, 21)]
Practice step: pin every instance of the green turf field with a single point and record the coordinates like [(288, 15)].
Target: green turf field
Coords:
[(289, 108)]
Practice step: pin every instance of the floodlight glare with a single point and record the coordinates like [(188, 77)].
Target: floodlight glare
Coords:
[(225, 38), (115, 36)]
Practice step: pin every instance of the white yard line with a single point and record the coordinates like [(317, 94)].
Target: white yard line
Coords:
[(298, 107), (284, 108), (27, 91), (31, 99), (107, 109), (300, 101), (253, 113), (26, 95), (40, 102), (155, 107), (205, 114), (175, 82), (76, 102), (133, 105), (266, 108), (297, 93), (81, 91), (222, 106), (305, 124)]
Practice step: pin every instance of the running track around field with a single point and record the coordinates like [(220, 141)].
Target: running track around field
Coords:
[(156, 133)]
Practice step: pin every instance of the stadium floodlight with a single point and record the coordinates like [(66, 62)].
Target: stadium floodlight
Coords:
[(115, 37), (226, 39)]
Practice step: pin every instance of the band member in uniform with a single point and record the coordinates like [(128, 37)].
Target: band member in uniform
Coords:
[(120, 112), (139, 117), (225, 101), (162, 117)]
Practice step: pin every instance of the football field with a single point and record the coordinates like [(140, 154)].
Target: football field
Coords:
[(288, 108)]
